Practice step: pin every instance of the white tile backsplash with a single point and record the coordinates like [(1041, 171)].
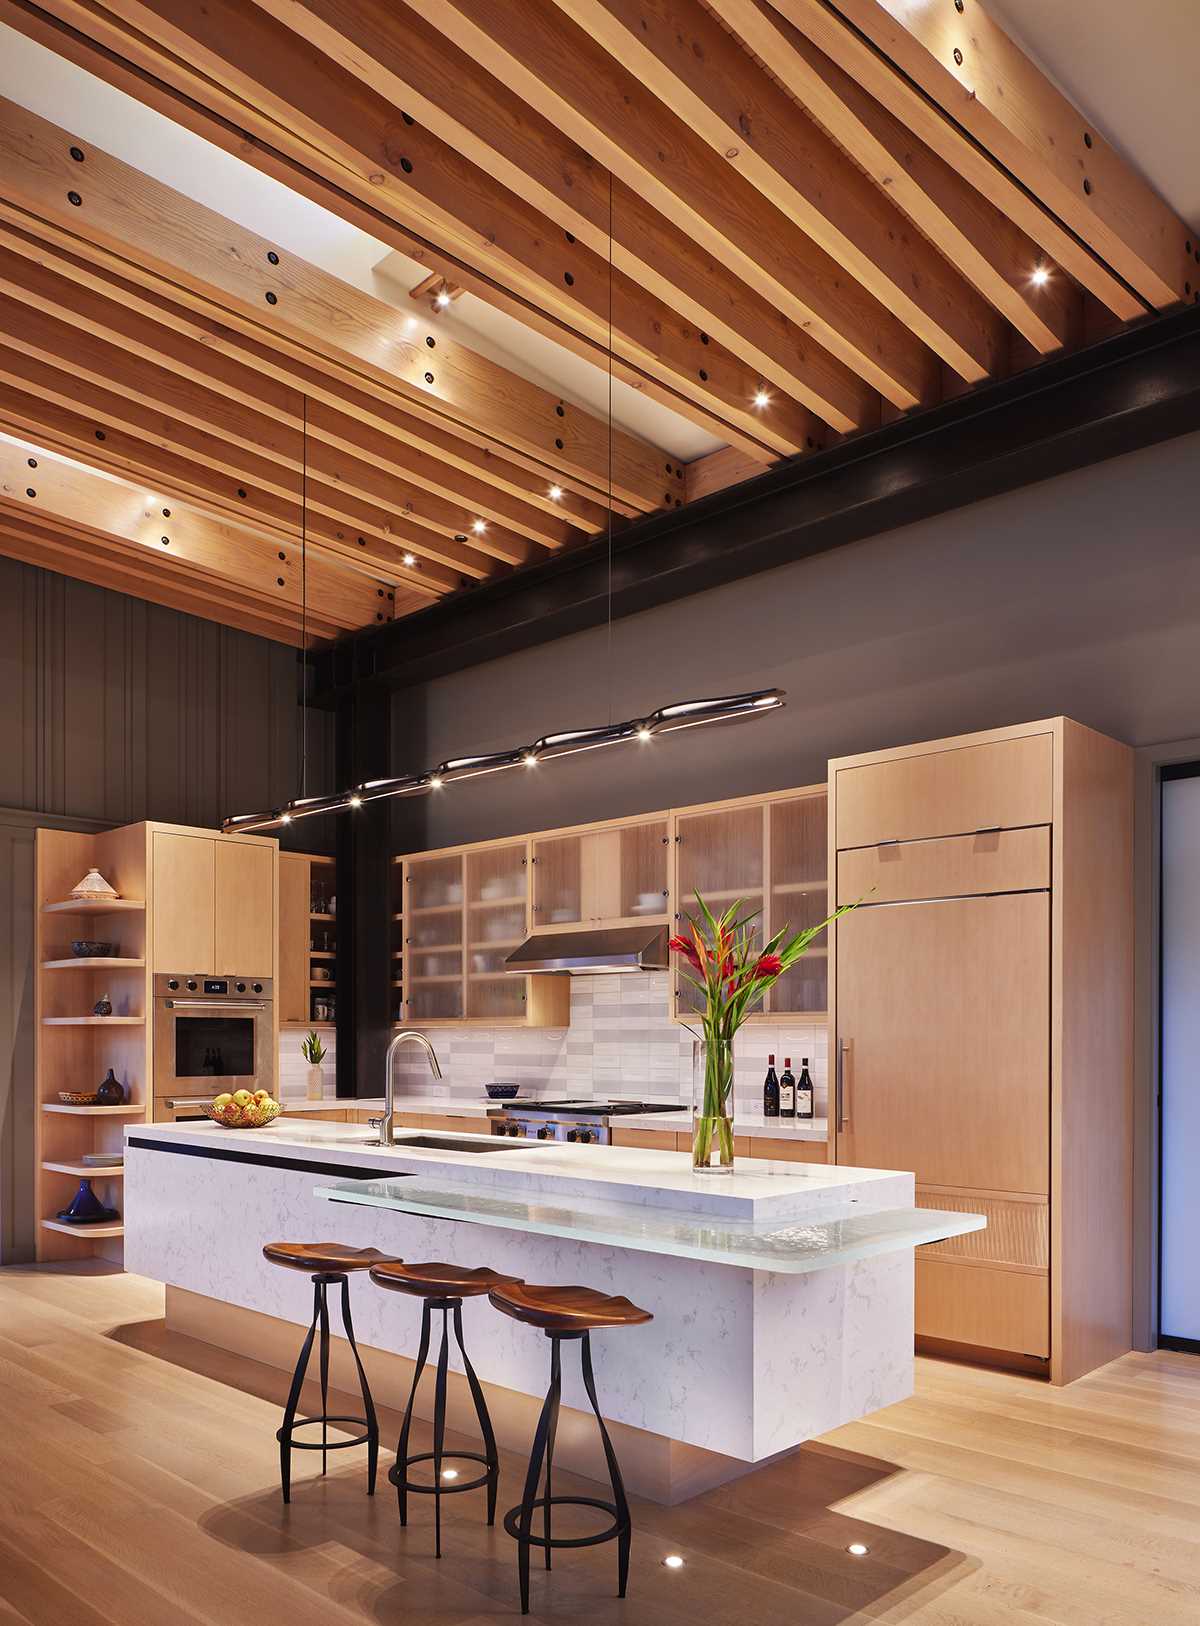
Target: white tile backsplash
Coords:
[(621, 1041)]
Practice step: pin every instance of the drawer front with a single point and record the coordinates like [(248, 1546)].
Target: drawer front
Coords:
[(983, 1305), (447, 1124), (652, 1140), (1007, 783), (784, 1149), (1017, 1234), (946, 867)]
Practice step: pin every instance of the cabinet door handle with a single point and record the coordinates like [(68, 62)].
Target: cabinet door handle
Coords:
[(843, 1085)]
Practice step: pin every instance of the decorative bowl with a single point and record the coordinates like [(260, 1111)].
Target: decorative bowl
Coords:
[(256, 1116), (501, 1092), (78, 1098), (86, 948)]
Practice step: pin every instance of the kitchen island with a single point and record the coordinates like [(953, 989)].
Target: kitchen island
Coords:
[(782, 1295)]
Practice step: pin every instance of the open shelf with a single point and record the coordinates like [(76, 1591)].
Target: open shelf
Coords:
[(85, 1171), (318, 982), (93, 962), (322, 954), (82, 906), (94, 1021), (133, 1109), (102, 1228), (314, 914)]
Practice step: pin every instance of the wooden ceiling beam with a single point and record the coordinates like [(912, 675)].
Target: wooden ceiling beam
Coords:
[(964, 61), (576, 84), (51, 420), (280, 296), (32, 481), (263, 79), (108, 562), (679, 51), (124, 317), (399, 54), (990, 251)]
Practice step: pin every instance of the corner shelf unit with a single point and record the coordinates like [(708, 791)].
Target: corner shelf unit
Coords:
[(76, 1048)]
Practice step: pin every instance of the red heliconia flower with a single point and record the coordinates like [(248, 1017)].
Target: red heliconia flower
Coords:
[(685, 946), (767, 965)]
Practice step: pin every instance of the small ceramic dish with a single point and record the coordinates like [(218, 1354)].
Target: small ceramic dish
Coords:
[(501, 1092)]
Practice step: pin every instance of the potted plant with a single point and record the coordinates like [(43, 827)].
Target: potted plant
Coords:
[(733, 975), (313, 1052)]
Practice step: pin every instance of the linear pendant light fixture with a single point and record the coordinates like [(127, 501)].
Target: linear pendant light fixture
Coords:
[(639, 730)]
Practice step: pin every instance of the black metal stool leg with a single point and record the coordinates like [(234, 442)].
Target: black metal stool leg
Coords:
[(624, 1523), (284, 1435), (398, 1474), (547, 1423), (368, 1403), (491, 1456), (323, 1290), (439, 1429)]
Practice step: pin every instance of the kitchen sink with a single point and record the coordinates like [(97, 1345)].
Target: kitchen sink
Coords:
[(452, 1143)]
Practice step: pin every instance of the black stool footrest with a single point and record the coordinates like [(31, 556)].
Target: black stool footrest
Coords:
[(397, 1478), (287, 1434), (512, 1522)]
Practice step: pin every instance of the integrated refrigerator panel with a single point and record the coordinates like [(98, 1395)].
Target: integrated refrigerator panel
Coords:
[(1179, 1303)]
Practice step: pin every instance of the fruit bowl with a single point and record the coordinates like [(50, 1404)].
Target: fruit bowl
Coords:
[(235, 1115)]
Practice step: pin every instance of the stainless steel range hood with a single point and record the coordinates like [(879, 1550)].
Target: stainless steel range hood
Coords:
[(589, 953)]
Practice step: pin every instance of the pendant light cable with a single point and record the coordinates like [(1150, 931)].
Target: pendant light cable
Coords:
[(609, 653), (304, 599)]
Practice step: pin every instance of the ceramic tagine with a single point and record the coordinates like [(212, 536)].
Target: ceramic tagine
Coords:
[(93, 887)]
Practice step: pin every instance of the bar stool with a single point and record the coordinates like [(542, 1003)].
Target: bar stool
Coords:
[(329, 1263), (442, 1287), (562, 1313)]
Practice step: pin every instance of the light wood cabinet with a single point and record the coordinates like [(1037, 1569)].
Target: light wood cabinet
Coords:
[(783, 1149), (183, 902), (613, 875), (244, 911), (291, 987), (981, 1025)]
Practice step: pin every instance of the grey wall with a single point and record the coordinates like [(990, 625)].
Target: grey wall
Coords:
[(113, 710), (1080, 595)]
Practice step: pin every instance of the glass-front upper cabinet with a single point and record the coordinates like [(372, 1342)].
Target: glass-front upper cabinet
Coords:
[(611, 876), (434, 909), (497, 910), (799, 897), (718, 854)]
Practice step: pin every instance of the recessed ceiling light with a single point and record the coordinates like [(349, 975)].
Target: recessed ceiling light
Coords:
[(409, 559), (858, 1549), (762, 399), (555, 493), (443, 299), (478, 526), (1039, 276), (672, 1562)]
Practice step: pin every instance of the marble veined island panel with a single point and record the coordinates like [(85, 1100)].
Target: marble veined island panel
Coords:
[(782, 1296)]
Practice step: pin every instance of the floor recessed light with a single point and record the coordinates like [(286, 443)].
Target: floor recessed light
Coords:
[(858, 1549), (673, 1562)]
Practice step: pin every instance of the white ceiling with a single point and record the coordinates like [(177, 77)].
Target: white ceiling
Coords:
[(1132, 69)]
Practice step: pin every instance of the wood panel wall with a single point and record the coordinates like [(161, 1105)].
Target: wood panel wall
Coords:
[(116, 710)]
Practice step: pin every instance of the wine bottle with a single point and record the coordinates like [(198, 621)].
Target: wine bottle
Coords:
[(787, 1090), (770, 1091), (804, 1091)]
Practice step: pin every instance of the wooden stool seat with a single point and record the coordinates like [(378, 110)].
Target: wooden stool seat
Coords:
[(566, 1309), (438, 1281), (328, 1257)]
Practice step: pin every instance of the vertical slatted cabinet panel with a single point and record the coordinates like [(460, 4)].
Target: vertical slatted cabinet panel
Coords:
[(74, 1049)]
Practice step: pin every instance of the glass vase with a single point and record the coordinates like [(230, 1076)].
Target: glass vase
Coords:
[(712, 1107)]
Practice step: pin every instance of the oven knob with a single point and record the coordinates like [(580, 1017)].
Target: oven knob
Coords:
[(241, 987), (514, 1129), (192, 983), (172, 982), (543, 1134), (585, 1135), (258, 987), (572, 1134)]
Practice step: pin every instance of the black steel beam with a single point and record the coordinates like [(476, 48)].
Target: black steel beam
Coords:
[(1126, 392)]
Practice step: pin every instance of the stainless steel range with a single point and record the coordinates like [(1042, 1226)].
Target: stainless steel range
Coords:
[(586, 1122)]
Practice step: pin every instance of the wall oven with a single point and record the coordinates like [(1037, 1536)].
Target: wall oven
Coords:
[(210, 1034)]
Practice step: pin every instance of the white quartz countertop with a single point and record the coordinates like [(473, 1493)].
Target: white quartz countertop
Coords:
[(758, 1190), (811, 1129)]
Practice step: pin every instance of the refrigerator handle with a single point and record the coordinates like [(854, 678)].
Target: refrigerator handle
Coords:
[(843, 1112)]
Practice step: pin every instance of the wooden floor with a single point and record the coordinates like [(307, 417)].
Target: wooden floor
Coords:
[(138, 1488)]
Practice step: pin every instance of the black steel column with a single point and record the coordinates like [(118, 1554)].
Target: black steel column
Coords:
[(362, 751)]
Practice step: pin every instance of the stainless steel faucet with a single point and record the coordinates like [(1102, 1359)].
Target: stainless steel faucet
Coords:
[(387, 1127)]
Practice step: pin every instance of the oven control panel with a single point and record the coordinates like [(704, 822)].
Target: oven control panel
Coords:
[(579, 1131), (196, 985)]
